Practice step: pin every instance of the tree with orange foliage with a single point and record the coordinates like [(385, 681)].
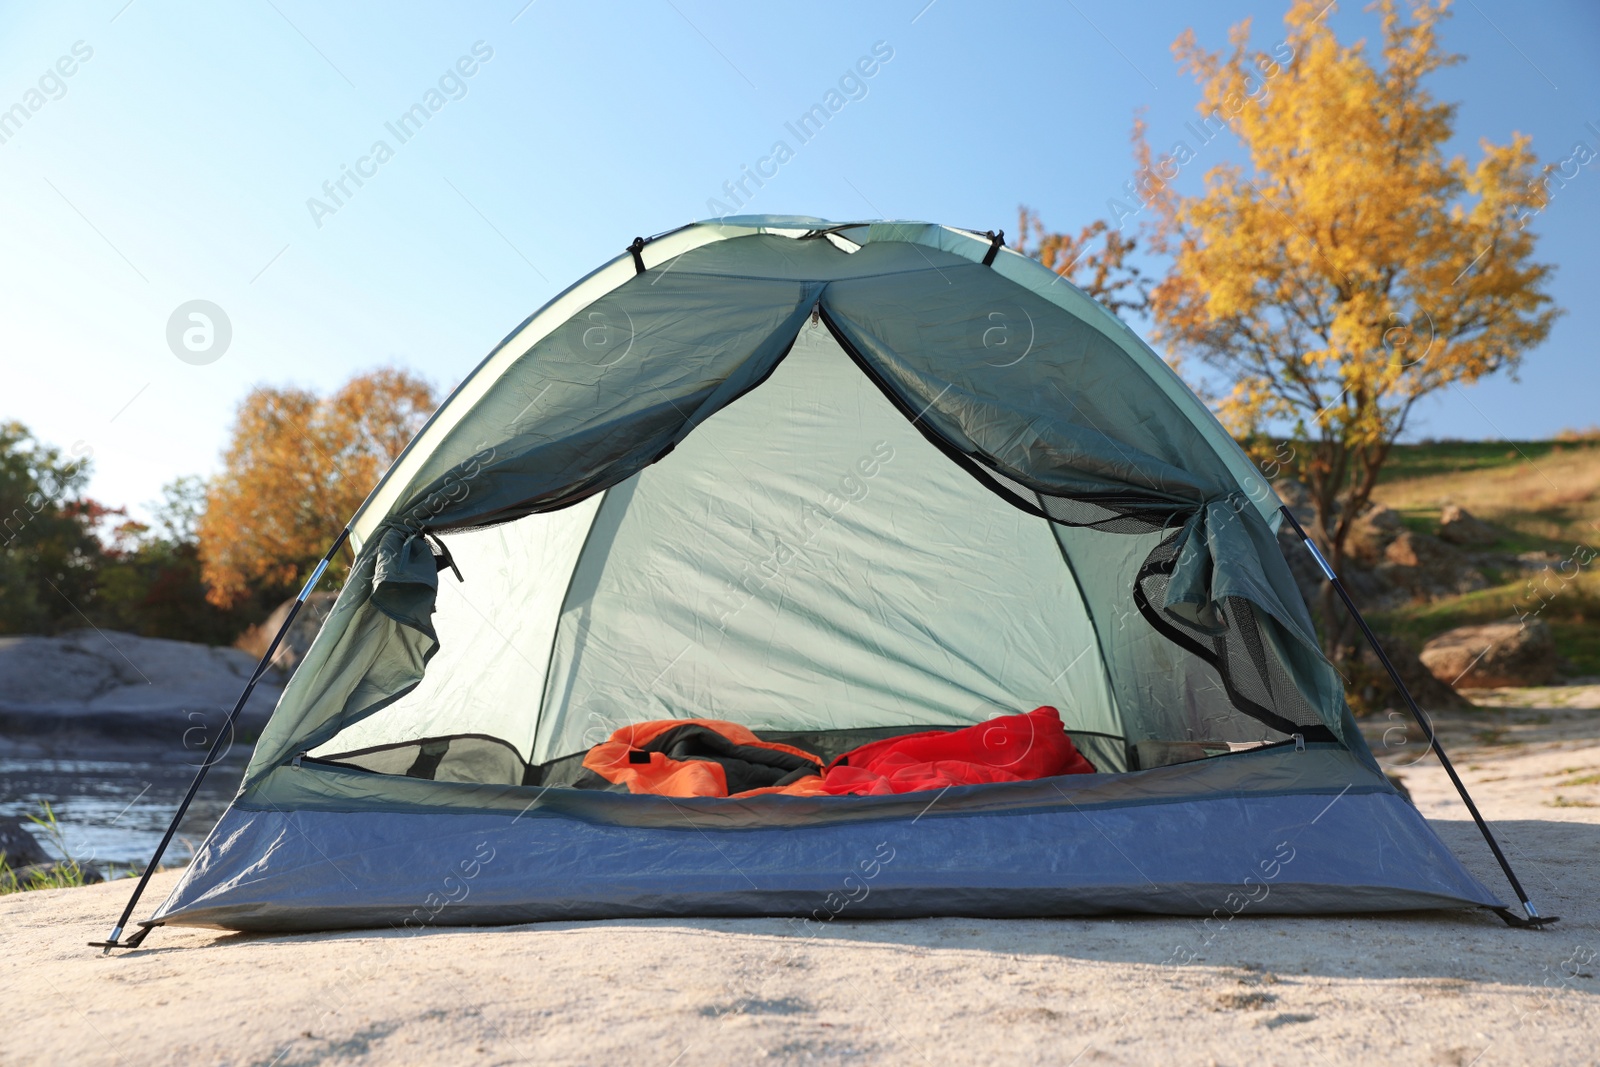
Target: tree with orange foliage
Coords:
[(297, 467), (1351, 268), (1104, 272)]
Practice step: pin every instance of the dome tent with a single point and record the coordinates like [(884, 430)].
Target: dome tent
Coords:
[(834, 483)]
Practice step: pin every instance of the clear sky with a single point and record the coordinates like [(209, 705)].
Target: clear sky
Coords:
[(176, 160)]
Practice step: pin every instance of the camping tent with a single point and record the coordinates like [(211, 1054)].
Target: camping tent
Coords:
[(834, 483)]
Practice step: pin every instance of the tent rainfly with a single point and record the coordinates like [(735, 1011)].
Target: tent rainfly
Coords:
[(835, 483)]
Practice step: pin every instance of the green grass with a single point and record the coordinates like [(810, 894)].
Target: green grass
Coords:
[(1572, 609), (1545, 497), (67, 874), (1424, 519), (1462, 457)]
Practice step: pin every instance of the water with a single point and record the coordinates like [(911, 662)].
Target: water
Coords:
[(113, 811)]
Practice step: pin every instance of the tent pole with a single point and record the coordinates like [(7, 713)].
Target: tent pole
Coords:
[(211, 757), (1534, 919)]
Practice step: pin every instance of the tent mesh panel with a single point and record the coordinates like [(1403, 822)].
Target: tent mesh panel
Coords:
[(1256, 682), (1254, 678), (1113, 513)]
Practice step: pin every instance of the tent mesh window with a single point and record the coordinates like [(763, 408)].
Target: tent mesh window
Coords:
[(1113, 513), (1255, 680), (452, 758)]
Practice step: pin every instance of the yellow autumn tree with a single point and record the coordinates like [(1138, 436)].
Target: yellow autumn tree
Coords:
[(296, 468), (1350, 268), (1100, 269)]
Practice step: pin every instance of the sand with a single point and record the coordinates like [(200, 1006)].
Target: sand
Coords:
[(1428, 988)]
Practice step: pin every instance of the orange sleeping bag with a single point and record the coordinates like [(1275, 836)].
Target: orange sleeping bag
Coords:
[(715, 758), (702, 758)]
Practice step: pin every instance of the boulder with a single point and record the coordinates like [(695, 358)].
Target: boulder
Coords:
[(1428, 567), (1410, 549), (1372, 533), (1509, 652), (292, 650), (1459, 526), (108, 684), (1378, 690), (21, 848), (1296, 495)]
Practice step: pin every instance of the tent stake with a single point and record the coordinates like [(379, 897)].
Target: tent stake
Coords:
[(211, 757), (1534, 919)]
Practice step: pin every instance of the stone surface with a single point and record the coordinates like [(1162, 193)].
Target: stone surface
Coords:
[(256, 640), (1431, 988), (1459, 526), (1425, 566), (20, 846), (1428, 691), (1510, 652), (1296, 495), (112, 683), (1372, 533)]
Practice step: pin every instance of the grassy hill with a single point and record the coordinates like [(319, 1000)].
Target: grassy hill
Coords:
[(1546, 496)]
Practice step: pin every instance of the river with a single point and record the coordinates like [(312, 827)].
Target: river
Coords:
[(113, 811)]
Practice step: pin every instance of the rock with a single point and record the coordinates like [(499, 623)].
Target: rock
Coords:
[(1428, 567), (21, 848), (1372, 533), (1375, 592), (1510, 652), (1411, 549), (1427, 690), (1382, 517), (106, 683), (1459, 526), (292, 650), (1296, 495), (62, 670)]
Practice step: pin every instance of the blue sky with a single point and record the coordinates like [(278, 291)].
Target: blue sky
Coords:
[(176, 161)]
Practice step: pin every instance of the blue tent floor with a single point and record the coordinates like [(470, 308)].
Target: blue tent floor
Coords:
[(277, 870)]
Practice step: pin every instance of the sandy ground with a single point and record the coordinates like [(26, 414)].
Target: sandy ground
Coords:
[(1434, 988)]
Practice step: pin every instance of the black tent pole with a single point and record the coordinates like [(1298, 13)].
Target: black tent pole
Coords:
[(1534, 919), (223, 736)]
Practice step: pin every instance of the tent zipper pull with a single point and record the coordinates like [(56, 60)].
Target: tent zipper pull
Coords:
[(1299, 742), (298, 756)]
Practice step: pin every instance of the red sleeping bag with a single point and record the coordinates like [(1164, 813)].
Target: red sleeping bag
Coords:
[(1012, 748)]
